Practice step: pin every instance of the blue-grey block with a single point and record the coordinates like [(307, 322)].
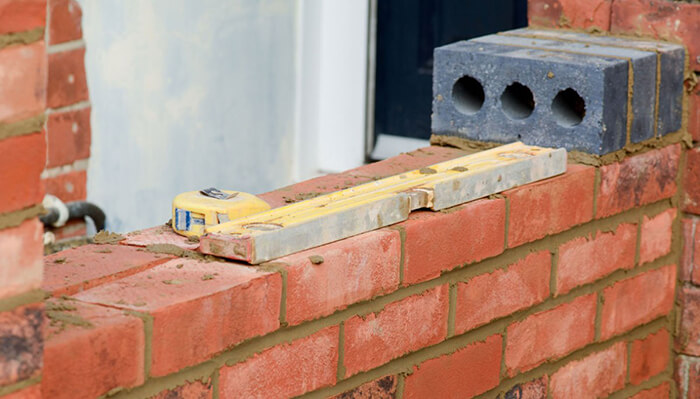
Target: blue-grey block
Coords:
[(672, 62), (643, 65), (600, 81)]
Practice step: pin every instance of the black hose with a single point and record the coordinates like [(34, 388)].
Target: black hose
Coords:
[(77, 209)]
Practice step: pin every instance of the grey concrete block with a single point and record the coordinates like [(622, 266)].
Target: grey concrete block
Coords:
[(672, 61), (503, 93), (643, 82)]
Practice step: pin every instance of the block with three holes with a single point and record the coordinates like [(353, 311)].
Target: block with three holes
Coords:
[(572, 94)]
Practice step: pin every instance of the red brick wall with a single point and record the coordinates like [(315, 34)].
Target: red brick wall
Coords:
[(563, 287), (23, 67), (678, 22), (68, 110)]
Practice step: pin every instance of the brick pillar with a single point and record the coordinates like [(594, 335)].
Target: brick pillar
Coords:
[(22, 157), (68, 110)]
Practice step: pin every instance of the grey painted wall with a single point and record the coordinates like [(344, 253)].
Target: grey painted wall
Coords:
[(186, 95)]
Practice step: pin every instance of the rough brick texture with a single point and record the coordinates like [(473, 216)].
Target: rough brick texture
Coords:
[(191, 304), (276, 372), (68, 136), (688, 377), (569, 14), (586, 259), (691, 197), (690, 255), (550, 334), (637, 300), (436, 242), (638, 180), (595, 376), (465, 373), (649, 356), (551, 206), (694, 110), (68, 187), (22, 343), (193, 390), (493, 295), (672, 21), (23, 15), (351, 270), (656, 236), (65, 24), (21, 261), (20, 167), (23, 92), (74, 270), (401, 327), (688, 338), (535, 389), (383, 388), (91, 350), (67, 83)]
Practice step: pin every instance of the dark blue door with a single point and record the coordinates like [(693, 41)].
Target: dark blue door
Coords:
[(407, 33)]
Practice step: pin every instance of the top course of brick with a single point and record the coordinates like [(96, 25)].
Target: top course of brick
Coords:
[(595, 94)]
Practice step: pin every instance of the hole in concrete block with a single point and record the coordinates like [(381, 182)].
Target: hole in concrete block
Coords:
[(468, 95), (568, 108), (517, 101)]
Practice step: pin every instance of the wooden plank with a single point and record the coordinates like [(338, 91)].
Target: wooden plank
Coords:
[(268, 235)]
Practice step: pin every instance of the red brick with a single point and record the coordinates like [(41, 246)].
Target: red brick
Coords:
[(90, 350), (586, 259), (649, 356), (550, 334), (695, 276), (691, 197), (505, 291), (595, 376), (638, 180), (21, 262), (662, 391), (198, 309), (363, 174), (467, 372), (401, 327), (158, 235), (22, 338), (23, 92), (637, 300), (437, 241), (688, 226), (21, 15), (65, 24), (688, 338), (657, 234), (694, 111), (353, 270), (570, 14), (21, 163), (191, 390), (535, 389), (687, 376), (72, 229), (382, 388), (672, 21), (285, 370), (551, 206), (73, 270), (33, 392), (67, 83), (68, 187), (68, 135)]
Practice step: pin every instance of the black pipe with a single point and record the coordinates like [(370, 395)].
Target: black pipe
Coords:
[(77, 209)]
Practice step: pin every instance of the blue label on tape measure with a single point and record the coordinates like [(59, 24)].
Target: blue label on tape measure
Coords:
[(183, 219)]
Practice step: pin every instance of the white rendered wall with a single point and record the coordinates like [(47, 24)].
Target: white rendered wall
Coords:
[(237, 94)]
